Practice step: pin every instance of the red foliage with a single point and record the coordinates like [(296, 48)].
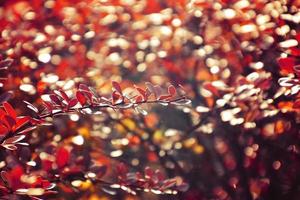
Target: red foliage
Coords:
[(83, 114)]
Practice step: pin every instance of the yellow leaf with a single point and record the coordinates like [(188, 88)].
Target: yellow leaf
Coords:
[(84, 131), (198, 149)]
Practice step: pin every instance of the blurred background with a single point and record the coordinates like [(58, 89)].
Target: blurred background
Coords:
[(238, 139)]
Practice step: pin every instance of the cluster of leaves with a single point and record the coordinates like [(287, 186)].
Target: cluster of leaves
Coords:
[(86, 100), (17, 182), (150, 181), (91, 103), (289, 67)]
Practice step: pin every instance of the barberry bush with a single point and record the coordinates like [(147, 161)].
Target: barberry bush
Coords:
[(150, 99)]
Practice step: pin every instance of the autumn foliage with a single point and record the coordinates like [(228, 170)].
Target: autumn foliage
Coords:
[(150, 99)]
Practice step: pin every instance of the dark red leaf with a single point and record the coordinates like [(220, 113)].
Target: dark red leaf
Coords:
[(62, 157), (297, 37), (88, 95), (21, 121), (296, 104), (116, 97), (149, 172), (138, 99), (81, 98), (72, 103), (64, 95), (159, 175), (9, 121), (117, 86), (48, 106), (55, 99), (83, 87), (294, 51), (286, 64), (3, 129), (10, 110), (142, 92), (15, 174)]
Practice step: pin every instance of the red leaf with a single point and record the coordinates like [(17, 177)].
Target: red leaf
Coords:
[(286, 64), (117, 86), (55, 99), (138, 99), (294, 51), (9, 121), (81, 98), (142, 92), (172, 90), (83, 87), (47, 164), (48, 106), (297, 37), (149, 172), (116, 97), (21, 122), (10, 110), (72, 103), (296, 104), (3, 130), (15, 176), (64, 95), (62, 157), (153, 6), (159, 175), (88, 95)]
